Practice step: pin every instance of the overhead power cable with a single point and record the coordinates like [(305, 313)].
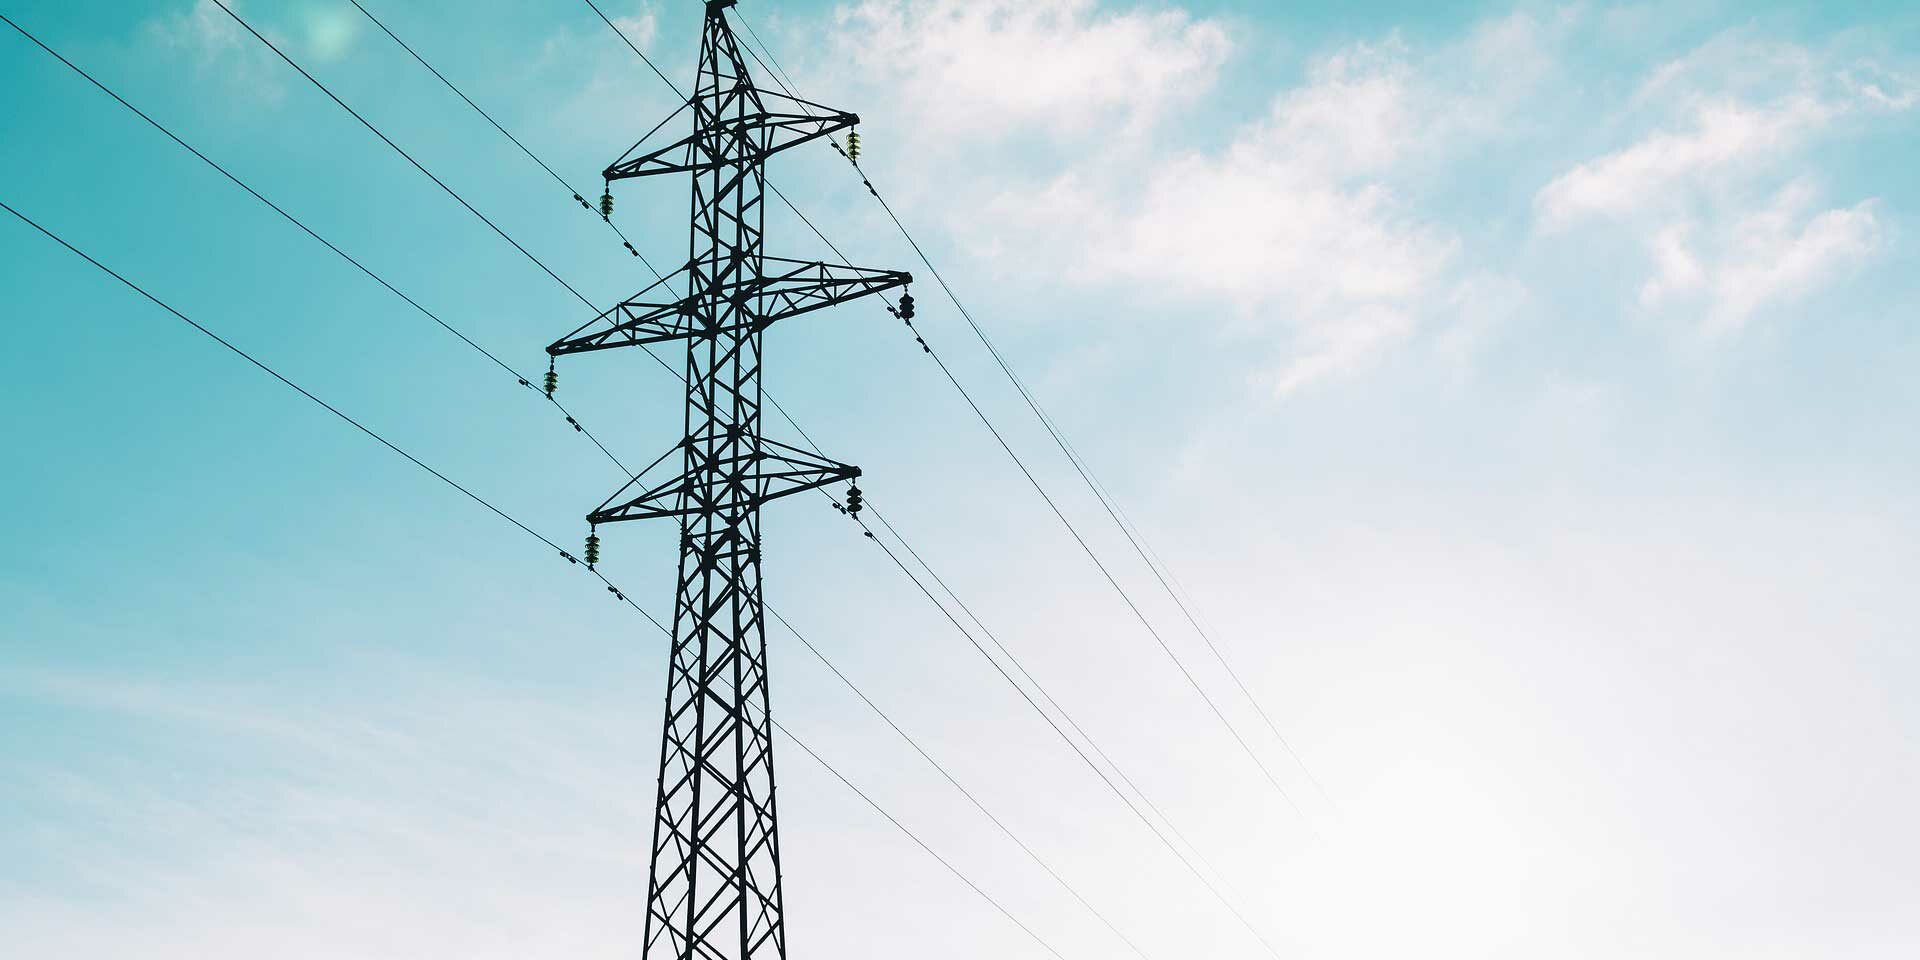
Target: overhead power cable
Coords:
[(557, 178), (1073, 458), (523, 382), (901, 538), (442, 184), (937, 765), (1082, 754), (524, 528), (1037, 686), (928, 349), (404, 154), (1041, 689), (923, 844), (622, 34), (1125, 595), (519, 377)]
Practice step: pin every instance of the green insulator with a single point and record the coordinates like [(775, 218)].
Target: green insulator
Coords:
[(853, 145), (553, 381), (593, 549), (606, 204)]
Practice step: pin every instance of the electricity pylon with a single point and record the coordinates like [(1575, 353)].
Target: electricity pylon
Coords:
[(714, 890)]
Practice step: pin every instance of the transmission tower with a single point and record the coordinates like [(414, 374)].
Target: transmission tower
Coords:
[(714, 886)]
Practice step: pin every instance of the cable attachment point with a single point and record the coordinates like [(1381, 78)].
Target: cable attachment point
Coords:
[(553, 379)]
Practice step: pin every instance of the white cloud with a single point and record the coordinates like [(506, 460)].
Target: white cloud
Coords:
[(1294, 224), (988, 67), (1718, 192), (1722, 135), (1316, 231), (640, 28), (1776, 254), (218, 45), (1304, 232), (618, 84)]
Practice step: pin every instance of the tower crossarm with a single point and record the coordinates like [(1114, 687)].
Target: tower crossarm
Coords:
[(786, 288), (775, 122), (777, 470), (714, 883)]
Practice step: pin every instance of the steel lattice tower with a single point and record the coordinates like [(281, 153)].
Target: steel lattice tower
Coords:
[(714, 891)]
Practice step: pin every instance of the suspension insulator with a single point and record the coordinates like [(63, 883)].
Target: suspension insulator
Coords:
[(606, 203), (553, 380), (853, 501), (906, 306), (853, 145), (593, 549)]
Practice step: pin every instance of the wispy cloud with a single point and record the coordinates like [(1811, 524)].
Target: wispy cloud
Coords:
[(1717, 187), (295, 838), (1293, 223), (1301, 231), (217, 46), (999, 68), (207, 37), (1776, 254)]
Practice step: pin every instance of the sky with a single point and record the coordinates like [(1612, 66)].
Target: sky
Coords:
[(1522, 393)]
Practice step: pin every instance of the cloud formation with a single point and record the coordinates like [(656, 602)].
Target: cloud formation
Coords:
[(1298, 231), (217, 45), (1315, 230), (989, 67), (1719, 191), (1294, 223)]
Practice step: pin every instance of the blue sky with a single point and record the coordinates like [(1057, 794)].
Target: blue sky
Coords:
[(1523, 391)]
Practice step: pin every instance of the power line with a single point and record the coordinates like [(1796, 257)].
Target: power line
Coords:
[(290, 218), (502, 514), (442, 184), (1021, 668), (357, 425), (524, 149), (622, 34), (928, 349), (1035, 482), (1085, 473), (562, 181), (1125, 596), (989, 814), (923, 844), (1024, 695), (1100, 494), (521, 379), (403, 153), (450, 192), (1154, 563)]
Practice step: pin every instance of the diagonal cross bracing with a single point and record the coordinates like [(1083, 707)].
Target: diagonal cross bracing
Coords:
[(714, 882)]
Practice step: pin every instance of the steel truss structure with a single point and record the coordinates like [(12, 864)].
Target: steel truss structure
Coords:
[(714, 887)]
